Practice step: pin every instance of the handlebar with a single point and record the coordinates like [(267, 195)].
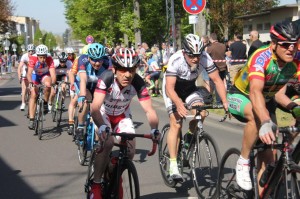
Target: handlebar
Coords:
[(85, 101)]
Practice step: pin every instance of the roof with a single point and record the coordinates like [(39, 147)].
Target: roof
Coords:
[(268, 11)]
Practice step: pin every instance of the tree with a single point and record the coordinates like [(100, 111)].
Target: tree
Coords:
[(38, 37), (6, 10)]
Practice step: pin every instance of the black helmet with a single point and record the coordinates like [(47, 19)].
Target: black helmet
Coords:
[(63, 57), (285, 31)]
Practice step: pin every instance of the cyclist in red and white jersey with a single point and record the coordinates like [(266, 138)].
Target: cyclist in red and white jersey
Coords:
[(111, 107), (40, 71), (22, 72)]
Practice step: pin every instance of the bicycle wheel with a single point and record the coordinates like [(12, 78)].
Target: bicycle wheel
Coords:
[(227, 186), (41, 119), (164, 156), (58, 110), (53, 113), (27, 97), (90, 175), (36, 119), (288, 186), (205, 166), (82, 148), (128, 187)]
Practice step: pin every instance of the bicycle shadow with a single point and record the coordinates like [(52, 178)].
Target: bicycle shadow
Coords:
[(142, 154), (53, 132)]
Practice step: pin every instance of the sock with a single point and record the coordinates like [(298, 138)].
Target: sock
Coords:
[(243, 160), (31, 119), (71, 122), (80, 126)]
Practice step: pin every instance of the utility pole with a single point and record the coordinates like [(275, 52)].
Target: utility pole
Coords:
[(171, 21), (137, 31)]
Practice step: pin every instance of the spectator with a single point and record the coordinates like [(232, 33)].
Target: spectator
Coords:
[(237, 51), (217, 52), (255, 42)]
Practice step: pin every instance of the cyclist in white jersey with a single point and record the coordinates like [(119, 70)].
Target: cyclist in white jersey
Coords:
[(22, 72), (111, 107), (179, 88)]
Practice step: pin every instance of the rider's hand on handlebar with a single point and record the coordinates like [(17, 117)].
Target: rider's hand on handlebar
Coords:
[(103, 132), (181, 110), (155, 134), (266, 132)]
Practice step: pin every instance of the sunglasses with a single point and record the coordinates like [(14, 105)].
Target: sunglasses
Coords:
[(287, 45), (192, 56), (96, 60)]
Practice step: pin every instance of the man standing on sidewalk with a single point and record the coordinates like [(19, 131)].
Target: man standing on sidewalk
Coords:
[(255, 42), (217, 52)]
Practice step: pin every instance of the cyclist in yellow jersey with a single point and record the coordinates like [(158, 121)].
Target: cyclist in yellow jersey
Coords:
[(267, 71)]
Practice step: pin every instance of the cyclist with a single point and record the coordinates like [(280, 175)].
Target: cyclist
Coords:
[(90, 67), (111, 107), (62, 68), (71, 54), (179, 88), (265, 73), (74, 97), (40, 71), (22, 72)]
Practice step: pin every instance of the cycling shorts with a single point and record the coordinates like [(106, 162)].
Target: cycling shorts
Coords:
[(120, 123), (38, 79), (200, 95)]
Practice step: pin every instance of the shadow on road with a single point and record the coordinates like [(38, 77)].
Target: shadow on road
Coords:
[(12, 186), (10, 91)]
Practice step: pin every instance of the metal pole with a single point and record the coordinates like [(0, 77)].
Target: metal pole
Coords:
[(173, 25)]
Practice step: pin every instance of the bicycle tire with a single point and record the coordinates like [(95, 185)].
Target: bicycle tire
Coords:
[(227, 185), (53, 113), (59, 110), (36, 119), (128, 180), (27, 97), (90, 175), (82, 148), (41, 119), (164, 156), (205, 166)]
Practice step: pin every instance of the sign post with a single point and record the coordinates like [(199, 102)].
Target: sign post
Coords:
[(193, 7)]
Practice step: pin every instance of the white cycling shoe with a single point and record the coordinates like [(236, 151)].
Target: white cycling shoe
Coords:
[(175, 174), (243, 176), (22, 107)]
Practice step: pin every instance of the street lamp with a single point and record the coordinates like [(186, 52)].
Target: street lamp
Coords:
[(23, 48), (7, 44)]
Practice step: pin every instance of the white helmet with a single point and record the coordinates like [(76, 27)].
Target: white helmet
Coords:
[(30, 47), (193, 45), (41, 50), (69, 50)]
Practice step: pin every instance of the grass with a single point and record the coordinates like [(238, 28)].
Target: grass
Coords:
[(283, 118)]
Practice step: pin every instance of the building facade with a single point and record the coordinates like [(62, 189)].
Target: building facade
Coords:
[(26, 26)]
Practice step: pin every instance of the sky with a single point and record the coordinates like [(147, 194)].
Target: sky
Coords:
[(50, 13)]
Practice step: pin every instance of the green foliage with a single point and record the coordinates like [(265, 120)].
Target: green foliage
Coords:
[(38, 37)]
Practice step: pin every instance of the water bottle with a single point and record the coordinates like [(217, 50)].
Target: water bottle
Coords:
[(187, 139), (266, 174)]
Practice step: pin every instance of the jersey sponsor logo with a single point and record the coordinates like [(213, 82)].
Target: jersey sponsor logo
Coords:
[(270, 76), (261, 60), (127, 92)]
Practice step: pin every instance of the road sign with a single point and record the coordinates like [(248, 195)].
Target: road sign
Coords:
[(89, 39), (194, 6)]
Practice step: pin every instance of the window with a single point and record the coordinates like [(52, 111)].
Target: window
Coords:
[(259, 27), (267, 26), (249, 27)]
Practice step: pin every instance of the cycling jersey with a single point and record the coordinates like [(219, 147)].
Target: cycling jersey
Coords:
[(74, 67), (185, 77), (263, 65), (92, 75), (117, 99), (62, 71), (38, 67)]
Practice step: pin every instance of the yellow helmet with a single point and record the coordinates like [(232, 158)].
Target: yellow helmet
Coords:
[(85, 49)]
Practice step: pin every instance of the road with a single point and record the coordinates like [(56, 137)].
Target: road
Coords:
[(49, 168)]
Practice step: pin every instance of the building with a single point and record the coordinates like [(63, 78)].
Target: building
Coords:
[(262, 21), (26, 26)]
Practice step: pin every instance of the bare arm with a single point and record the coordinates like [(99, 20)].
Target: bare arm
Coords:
[(150, 113), (83, 79), (53, 75), (95, 108), (258, 100), (281, 98), (20, 67), (29, 74), (214, 76)]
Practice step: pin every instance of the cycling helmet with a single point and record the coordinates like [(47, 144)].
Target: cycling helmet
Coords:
[(63, 57), (30, 47), (41, 50), (85, 49), (69, 50), (96, 51), (125, 58), (285, 31), (193, 45)]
